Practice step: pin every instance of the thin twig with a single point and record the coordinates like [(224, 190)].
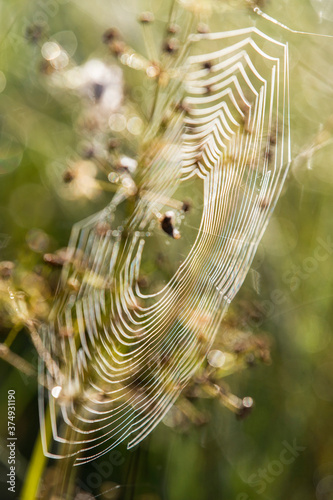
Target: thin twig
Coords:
[(15, 360)]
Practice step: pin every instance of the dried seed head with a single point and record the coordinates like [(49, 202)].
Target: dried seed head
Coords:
[(250, 359), (46, 67), (6, 269), (186, 207), (143, 281), (73, 284), (88, 152), (113, 144), (171, 45), (164, 79), (110, 35), (189, 129), (272, 139), (245, 408), (146, 17), (207, 65), (203, 28), (97, 91), (183, 106), (127, 164), (68, 176), (34, 33), (66, 332), (117, 47), (167, 224), (264, 203), (173, 29), (37, 240), (57, 259), (153, 71), (256, 3), (103, 229)]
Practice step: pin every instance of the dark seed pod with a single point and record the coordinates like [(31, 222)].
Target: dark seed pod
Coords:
[(167, 224)]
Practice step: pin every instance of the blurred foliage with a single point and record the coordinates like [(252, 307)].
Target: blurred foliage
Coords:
[(201, 451)]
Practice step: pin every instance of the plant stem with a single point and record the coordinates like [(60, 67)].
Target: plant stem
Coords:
[(37, 466)]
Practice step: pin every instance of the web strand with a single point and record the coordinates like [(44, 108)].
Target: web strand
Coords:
[(124, 357)]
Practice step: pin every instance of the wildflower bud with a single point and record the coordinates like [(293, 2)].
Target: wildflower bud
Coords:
[(6, 269), (110, 35), (171, 45), (203, 28), (146, 18)]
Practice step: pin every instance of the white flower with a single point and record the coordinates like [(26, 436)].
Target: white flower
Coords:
[(101, 85)]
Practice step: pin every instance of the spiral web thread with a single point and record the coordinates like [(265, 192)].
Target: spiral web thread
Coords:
[(122, 357)]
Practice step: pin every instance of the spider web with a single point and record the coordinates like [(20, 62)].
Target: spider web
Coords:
[(122, 357)]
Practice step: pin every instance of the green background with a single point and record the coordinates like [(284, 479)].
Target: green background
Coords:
[(293, 395)]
